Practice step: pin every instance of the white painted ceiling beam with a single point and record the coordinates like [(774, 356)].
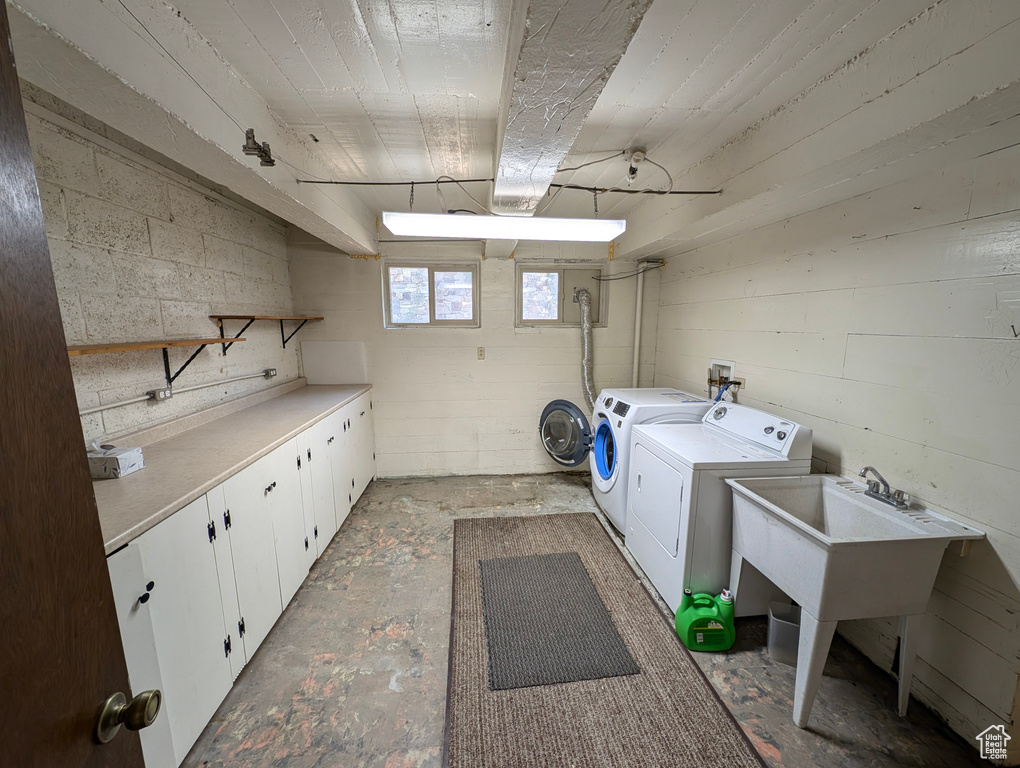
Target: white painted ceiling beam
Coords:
[(937, 89), (565, 59), (98, 58)]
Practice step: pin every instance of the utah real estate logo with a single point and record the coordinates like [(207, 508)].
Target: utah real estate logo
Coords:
[(993, 742)]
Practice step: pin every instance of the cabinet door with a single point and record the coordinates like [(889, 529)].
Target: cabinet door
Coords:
[(315, 453), (220, 515), (295, 550), (253, 550), (307, 495), (364, 444), (341, 461), (129, 582), (187, 621)]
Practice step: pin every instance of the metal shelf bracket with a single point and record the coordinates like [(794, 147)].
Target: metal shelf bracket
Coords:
[(228, 344)]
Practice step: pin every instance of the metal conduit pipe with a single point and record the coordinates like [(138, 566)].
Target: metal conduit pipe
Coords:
[(583, 297), (106, 407), (637, 328), (143, 398)]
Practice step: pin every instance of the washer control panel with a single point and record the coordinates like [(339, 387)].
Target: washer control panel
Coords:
[(621, 408)]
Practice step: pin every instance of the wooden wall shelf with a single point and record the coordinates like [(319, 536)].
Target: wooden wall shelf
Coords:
[(252, 318), (133, 346)]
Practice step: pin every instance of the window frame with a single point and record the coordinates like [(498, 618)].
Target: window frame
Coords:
[(560, 268), (433, 266)]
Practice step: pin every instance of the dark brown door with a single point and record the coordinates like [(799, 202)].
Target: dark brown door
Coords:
[(60, 650)]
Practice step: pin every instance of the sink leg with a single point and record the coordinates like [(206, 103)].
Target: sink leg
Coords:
[(736, 563), (910, 627), (815, 639)]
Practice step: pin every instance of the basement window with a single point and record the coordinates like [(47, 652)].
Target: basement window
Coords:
[(420, 295), (545, 294)]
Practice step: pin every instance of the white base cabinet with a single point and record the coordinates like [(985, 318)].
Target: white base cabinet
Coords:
[(197, 594), (253, 552), (167, 584), (363, 444), (317, 482)]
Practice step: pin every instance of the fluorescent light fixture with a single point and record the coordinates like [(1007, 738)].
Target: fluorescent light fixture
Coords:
[(487, 227)]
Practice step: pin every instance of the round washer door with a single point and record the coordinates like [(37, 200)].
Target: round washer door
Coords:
[(604, 455), (565, 433)]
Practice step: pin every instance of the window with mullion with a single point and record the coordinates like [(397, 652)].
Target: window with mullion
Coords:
[(419, 296)]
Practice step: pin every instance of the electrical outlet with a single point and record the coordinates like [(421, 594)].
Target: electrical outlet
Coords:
[(269, 373), (481, 353), (160, 395)]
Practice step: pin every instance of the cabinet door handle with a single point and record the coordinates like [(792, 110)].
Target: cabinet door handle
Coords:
[(309, 454), (362, 413)]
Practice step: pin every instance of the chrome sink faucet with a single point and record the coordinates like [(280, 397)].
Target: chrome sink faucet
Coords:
[(879, 489)]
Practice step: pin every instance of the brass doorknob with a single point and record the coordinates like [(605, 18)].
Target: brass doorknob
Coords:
[(134, 715)]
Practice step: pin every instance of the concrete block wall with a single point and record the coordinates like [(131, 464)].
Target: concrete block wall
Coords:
[(438, 409), (141, 253), (885, 323)]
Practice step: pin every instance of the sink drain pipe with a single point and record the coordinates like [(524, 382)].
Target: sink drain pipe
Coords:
[(583, 297)]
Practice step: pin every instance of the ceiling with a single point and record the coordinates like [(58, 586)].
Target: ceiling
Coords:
[(401, 90)]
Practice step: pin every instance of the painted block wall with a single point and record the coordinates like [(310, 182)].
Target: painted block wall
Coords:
[(438, 409), (885, 323), (141, 253)]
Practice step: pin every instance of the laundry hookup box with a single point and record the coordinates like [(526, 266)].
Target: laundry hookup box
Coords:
[(111, 462)]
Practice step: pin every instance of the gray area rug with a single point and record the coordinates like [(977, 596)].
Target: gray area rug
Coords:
[(545, 623), (668, 715)]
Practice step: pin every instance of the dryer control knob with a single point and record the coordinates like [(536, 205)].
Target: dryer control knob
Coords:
[(780, 435), (769, 430)]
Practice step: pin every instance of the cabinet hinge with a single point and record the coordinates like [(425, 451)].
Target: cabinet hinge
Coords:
[(226, 646), (226, 519), (306, 542), (240, 627), (211, 528)]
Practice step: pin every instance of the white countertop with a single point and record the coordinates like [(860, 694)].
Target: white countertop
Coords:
[(182, 468)]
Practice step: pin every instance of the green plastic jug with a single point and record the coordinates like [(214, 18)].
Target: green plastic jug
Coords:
[(704, 622)]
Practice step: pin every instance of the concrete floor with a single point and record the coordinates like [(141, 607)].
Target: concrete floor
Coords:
[(354, 674)]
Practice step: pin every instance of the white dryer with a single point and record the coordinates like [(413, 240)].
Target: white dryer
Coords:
[(679, 513), (569, 438)]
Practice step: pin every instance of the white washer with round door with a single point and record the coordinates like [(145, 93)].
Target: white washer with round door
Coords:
[(617, 411), (569, 438)]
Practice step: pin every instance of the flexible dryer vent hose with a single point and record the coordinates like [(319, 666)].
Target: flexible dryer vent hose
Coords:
[(583, 297)]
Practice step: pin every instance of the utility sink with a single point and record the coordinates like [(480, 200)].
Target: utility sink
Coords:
[(840, 555)]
